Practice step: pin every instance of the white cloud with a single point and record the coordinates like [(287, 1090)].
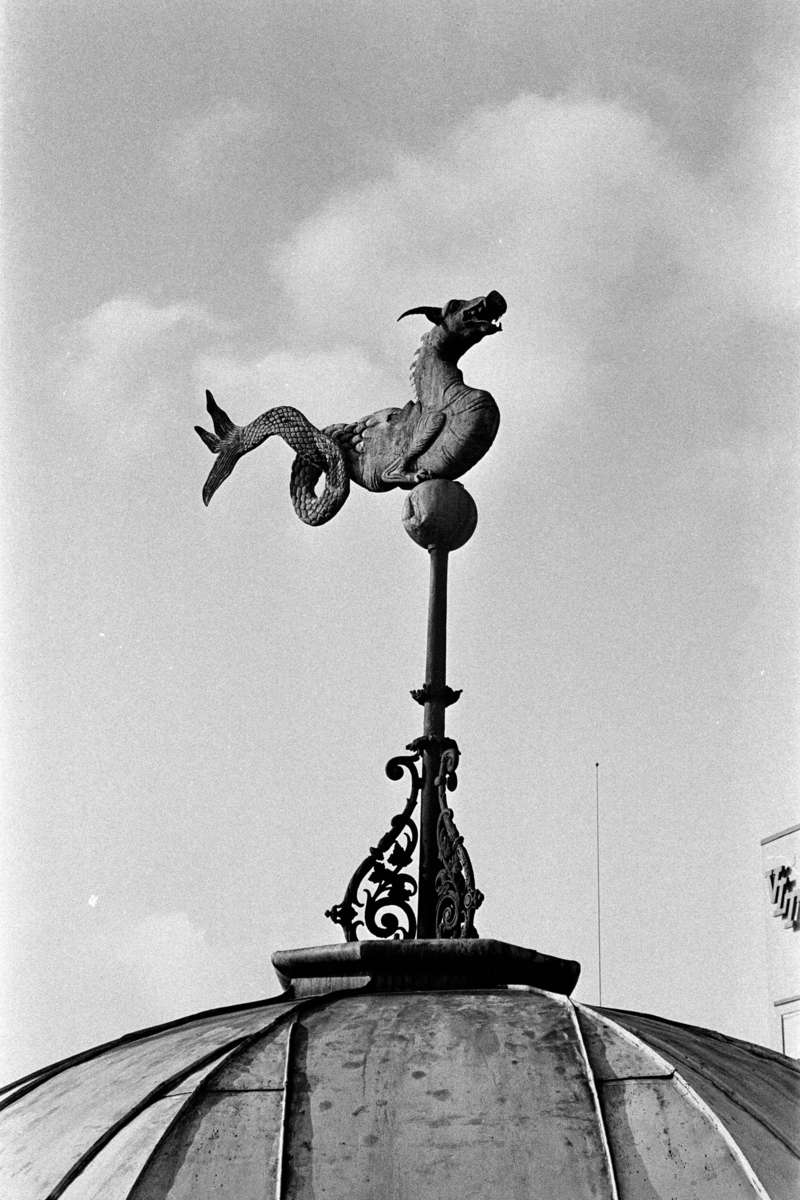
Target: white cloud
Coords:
[(127, 323), (172, 966), (558, 199), (199, 154), (576, 208), (338, 385), (625, 269), (621, 267), (125, 363), (128, 398)]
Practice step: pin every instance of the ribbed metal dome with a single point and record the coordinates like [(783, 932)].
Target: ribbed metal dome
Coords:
[(420, 1092)]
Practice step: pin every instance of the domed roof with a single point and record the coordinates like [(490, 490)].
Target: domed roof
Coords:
[(418, 1089)]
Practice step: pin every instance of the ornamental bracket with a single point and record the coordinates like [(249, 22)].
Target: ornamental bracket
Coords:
[(378, 895)]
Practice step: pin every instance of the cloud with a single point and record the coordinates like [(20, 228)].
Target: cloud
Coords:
[(173, 968), (628, 270), (124, 364), (627, 273), (128, 396), (201, 154), (578, 206), (559, 198), (126, 323), (128, 363), (340, 384)]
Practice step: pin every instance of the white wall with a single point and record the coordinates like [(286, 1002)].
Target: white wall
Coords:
[(781, 866)]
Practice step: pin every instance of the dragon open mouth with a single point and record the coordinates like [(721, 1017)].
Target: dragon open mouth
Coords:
[(488, 312)]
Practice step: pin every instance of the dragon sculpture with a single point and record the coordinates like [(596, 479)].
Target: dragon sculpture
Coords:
[(440, 434)]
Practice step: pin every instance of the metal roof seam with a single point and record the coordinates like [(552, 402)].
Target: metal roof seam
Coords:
[(227, 1052), (697, 1101), (712, 1034), (695, 1064), (35, 1078), (609, 1155), (216, 1091), (158, 1093), (141, 1129), (629, 1078), (244, 1045), (688, 1092), (281, 1155), (668, 1070)]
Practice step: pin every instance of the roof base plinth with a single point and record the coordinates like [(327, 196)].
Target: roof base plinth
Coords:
[(421, 965)]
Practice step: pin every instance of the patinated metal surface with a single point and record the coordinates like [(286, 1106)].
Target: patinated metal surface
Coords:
[(666, 1140), (440, 434), (616, 1054), (112, 1173), (754, 1091), (88, 1100), (417, 1096), (404, 1094), (440, 515), (225, 1146), (665, 1147), (227, 1143)]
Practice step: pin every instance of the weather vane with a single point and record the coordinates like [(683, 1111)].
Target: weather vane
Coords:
[(422, 448)]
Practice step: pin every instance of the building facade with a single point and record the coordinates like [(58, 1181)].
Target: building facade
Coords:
[(781, 867)]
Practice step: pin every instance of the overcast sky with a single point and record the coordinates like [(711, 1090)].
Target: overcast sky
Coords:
[(198, 704)]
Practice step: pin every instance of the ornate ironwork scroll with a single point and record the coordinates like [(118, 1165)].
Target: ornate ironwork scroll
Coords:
[(378, 895), (457, 895)]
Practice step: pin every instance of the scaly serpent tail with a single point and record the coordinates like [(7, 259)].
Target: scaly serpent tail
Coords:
[(316, 453)]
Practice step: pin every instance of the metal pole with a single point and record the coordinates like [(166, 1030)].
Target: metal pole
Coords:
[(433, 728), (597, 842)]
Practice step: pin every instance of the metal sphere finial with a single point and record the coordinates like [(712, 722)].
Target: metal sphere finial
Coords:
[(440, 514)]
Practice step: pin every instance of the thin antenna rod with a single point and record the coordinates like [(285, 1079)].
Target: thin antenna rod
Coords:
[(597, 831)]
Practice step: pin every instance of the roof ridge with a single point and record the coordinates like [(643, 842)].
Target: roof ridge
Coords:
[(44, 1073), (762, 1051)]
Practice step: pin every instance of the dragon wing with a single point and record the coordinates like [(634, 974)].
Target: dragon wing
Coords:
[(425, 432)]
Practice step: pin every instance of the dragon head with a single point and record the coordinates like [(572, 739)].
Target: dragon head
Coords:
[(461, 324)]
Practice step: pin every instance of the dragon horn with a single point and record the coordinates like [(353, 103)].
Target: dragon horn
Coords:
[(433, 314)]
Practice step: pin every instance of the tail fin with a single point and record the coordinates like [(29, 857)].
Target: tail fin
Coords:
[(222, 442), (220, 471), (223, 425), (209, 439)]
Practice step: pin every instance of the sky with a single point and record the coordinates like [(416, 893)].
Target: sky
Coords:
[(198, 703)]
